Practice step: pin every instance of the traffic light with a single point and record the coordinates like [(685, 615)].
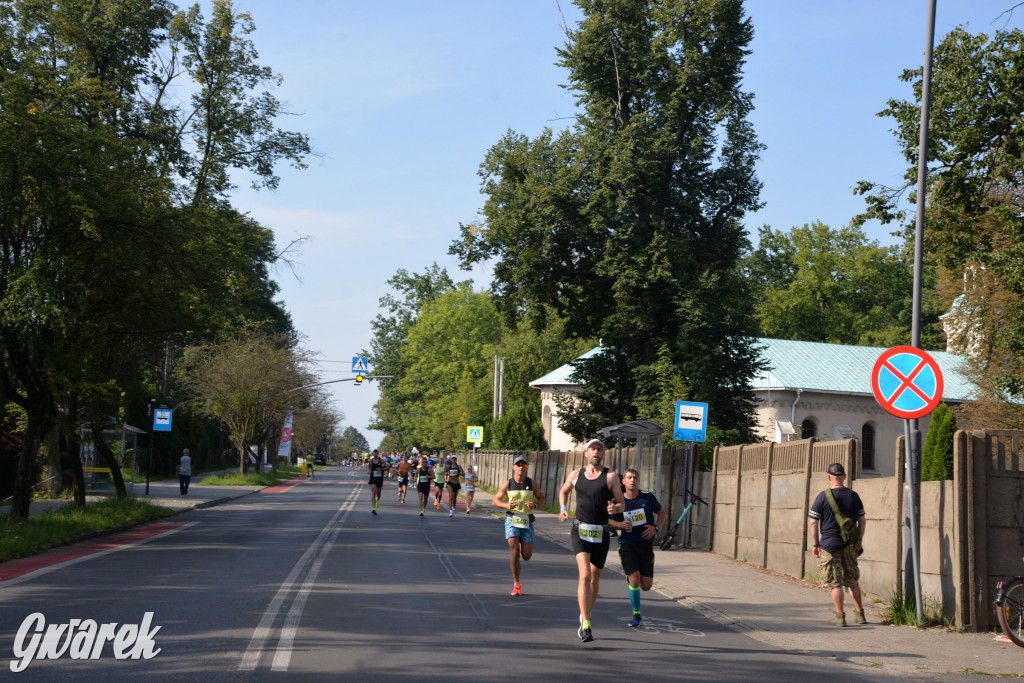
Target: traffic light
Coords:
[(359, 379)]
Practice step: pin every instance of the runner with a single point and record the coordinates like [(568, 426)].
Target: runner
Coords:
[(453, 476), (524, 496), (636, 542), (403, 478), (470, 488), (423, 473), (376, 467), (439, 477), (598, 494)]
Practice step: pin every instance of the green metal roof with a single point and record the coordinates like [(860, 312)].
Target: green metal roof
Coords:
[(842, 369), (561, 375), (816, 366)]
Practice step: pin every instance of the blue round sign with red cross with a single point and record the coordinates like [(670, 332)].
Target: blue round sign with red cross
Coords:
[(907, 382)]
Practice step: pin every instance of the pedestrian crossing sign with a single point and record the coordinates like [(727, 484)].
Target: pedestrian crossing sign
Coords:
[(475, 434), (360, 364)]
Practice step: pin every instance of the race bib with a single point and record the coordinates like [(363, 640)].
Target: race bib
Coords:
[(376, 474), (470, 488), (637, 517), (521, 521), (453, 473), (424, 479), (593, 533)]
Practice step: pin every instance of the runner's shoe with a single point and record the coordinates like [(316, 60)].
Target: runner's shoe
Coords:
[(421, 513), (517, 589), (451, 512), (437, 504), (373, 511), (635, 621)]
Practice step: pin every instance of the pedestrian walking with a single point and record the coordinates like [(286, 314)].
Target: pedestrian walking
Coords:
[(838, 548), (184, 472), (598, 495)]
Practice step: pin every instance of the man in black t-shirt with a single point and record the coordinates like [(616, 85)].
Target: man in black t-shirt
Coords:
[(838, 559)]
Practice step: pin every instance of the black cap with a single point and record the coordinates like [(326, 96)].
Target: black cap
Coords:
[(518, 459), (836, 470)]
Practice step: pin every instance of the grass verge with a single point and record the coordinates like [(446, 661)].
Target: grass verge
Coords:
[(266, 478), (20, 538), (901, 610)]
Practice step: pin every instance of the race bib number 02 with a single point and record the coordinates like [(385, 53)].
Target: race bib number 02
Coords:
[(594, 533)]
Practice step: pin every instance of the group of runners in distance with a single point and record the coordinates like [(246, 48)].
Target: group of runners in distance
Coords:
[(425, 473), (604, 503)]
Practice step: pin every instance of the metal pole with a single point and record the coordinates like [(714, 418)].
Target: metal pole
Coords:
[(686, 488), (149, 465), (494, 392), (501, 387), (913, 481)]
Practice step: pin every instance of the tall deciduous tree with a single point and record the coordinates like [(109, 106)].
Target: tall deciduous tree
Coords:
[(248, 382), (628, 223), (115, 228), (816, 283), (974, 201)]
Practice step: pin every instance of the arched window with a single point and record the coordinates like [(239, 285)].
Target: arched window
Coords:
[(808, 429), (546, 421), (867, 447)]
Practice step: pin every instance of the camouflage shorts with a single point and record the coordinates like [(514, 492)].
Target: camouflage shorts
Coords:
[(840, 569)]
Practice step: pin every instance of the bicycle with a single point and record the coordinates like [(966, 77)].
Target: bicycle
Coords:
[(1010, 608), (666, 542)]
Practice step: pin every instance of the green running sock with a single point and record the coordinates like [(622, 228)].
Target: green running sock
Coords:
[(586, 623), (634, 598)]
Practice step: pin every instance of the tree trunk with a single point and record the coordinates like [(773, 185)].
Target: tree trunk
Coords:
[(75, 460), (110, 460), (51, 447), (25, 478)]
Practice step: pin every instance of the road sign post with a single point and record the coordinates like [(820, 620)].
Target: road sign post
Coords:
[(907, 383)]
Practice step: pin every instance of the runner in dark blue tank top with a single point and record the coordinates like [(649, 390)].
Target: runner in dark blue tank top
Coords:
[(598, 494)]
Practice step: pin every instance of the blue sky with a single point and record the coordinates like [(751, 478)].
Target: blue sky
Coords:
[(402, 99)]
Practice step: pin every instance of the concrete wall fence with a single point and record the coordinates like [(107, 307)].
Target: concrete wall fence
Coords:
[(971, 528)]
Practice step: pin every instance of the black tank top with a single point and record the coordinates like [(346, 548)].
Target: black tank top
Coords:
[(592, 498)]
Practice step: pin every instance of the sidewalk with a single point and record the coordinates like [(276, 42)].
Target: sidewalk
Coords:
[(164, 492), (791, 614)]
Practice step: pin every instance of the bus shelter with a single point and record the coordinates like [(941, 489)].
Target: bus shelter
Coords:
[(646, 434)]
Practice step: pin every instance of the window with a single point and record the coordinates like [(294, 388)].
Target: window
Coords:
[(808, 429), (867, 447)]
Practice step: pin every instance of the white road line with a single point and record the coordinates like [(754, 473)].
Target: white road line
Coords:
[(283, 656), (52, 568), (262, 633)]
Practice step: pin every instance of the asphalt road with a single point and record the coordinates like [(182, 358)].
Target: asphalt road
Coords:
[(301, 582)]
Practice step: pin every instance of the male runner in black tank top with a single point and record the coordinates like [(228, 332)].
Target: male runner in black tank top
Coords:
[(598, 494)]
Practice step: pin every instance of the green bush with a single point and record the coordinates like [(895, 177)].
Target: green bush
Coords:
[(937, 454), (520, 429)]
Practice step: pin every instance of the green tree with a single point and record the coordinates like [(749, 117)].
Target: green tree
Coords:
[(519, 429), (390, 333), (248, 382), (937, 454), (352, 440), (816, 283), (627, 225), (96, 164), (447, 381), (974, 200)]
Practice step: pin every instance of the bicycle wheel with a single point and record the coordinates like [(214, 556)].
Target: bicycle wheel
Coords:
[(1010, 611)]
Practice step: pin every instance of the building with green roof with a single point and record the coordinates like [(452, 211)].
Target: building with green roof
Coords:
[(807, 389)]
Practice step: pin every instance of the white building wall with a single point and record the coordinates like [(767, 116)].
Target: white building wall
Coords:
[(828, 409), (557, 439)]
